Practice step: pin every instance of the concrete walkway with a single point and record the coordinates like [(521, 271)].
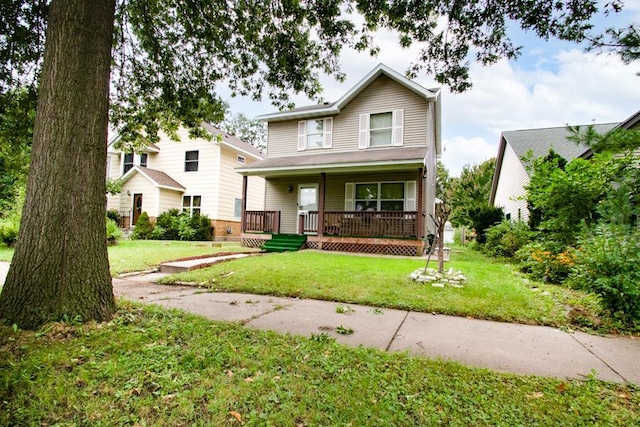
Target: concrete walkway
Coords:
[(499, 346)]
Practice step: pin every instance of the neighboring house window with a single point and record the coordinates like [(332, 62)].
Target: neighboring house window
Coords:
[(508, 217), (383, 129), (128, 162), (241, 160), (380, 196), (191, 204), (108, 164), (237, 208), (143, 159), (316, 133), (191, 161)]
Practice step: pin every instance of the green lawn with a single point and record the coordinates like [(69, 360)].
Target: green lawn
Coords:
[(151, 366), (494, 290), (139, 255)]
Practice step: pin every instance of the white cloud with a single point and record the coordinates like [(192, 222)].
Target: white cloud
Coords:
[(460, 151)]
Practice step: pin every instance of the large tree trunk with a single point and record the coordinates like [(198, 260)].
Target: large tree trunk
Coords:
[(60, 268)]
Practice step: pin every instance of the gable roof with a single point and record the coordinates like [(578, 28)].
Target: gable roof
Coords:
[(156, 177), (333, 108), (539, 142), (234, 142)]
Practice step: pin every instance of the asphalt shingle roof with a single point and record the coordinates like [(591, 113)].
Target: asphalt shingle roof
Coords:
[(160, 177)]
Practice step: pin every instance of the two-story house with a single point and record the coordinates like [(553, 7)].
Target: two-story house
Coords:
[(193, 175), (354, 175)]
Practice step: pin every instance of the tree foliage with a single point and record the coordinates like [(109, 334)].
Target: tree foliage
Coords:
[(470, 192), (247, 129)]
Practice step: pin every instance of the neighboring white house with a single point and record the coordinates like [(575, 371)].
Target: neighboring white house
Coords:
[(193, 175), (512, 176)]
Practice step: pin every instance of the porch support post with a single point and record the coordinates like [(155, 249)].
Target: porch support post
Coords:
[(243, 215), (420, 199), (323, 181)]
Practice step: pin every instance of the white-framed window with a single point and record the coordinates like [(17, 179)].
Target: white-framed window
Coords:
[(191, 204), (191, 161), (144, 157), (237, 208), (315, 133), (381, 129), (380, 196), (240, 159), (127, 163)]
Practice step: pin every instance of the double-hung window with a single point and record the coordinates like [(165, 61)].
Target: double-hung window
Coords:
[(383, 129), (315, 133), (128, 162), (191, 204), (143, 159), (191, 161)]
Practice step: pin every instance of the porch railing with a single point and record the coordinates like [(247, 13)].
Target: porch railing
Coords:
[(397, 224), (262, 221)]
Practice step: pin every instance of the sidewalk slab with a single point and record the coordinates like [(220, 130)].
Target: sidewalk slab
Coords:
[(500, 346), (174, 267), (621, 354), (371, 327)]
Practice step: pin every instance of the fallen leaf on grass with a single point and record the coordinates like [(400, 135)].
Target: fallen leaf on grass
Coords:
[(536, 395), (236, 415)]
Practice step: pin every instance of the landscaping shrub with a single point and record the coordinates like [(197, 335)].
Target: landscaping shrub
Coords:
[(607, 264), (9, 228), (143, 227), (113, 232), (113, 214), (506, 238), (176, 225), (482, 218), (545, 264)]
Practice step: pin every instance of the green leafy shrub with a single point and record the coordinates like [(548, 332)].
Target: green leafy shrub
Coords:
[(545, 264), (484, 217), (113, 214), (607, 264), (9, 228), (113, 232), (143, 227), (176, 225), (506, 238)]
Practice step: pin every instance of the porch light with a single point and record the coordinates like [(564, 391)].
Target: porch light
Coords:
[(290, 188)]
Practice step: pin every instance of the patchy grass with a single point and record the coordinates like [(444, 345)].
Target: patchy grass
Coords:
[(6, 253), (151, 366), (494, 291)]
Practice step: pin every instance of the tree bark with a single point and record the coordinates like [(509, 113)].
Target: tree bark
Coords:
[(60, 268)]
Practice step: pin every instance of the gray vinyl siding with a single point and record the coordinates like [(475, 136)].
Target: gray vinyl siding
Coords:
[(382, 95)]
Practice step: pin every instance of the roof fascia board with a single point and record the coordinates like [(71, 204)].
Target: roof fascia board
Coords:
[(293, 170), (240, 150), (135, 170), (496, 172)]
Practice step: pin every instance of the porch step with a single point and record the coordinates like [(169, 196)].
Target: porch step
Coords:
[(284, 242)]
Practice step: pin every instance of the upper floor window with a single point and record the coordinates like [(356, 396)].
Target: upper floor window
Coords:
[(191, 205), (381, 129), (143, 159), (316, 133), (191, 161), (241, 160), (128, 162)]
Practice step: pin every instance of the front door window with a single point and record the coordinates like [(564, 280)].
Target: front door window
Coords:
[(308, 201)]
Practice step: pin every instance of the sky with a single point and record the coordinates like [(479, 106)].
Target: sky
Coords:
[(551, 84)]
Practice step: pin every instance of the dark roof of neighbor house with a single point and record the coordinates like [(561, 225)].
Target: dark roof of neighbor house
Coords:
[(233, 140), (159, 178), (398, 157), (539, 142)]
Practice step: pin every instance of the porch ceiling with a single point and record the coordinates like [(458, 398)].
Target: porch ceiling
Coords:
[(384, 159)]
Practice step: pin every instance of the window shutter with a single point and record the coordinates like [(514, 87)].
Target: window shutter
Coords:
[(364, 131), (410, 196), (302, 135), (327, 133), (349, 197), (398, 122)]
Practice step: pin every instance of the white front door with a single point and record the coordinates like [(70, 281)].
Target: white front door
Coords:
[(307, 201)]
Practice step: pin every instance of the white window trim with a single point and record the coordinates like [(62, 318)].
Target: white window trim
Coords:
[(397, 129), (327, 134), (240, 159), (191, 206), (197, 161)]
